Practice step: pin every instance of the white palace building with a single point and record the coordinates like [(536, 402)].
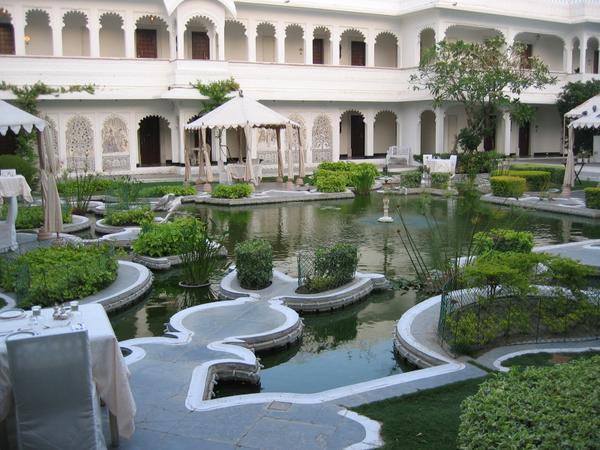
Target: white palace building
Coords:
[(340, 68)]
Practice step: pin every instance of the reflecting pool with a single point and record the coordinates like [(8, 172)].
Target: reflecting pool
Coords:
[(353, 344)]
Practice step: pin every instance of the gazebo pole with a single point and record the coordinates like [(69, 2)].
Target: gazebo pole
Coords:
[(279, 156), (569, 167)]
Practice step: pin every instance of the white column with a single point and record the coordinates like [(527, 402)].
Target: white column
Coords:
[(280, 44), (251, 35), (369, 134), (129, 29), (308, 44), (180, 33), (582, 53), (56, 22), (370, 44), (179, 157), (221, 43), (94, 29), (398, 54), (335, 151), (568, 57), (172, 30), (335, 48), (440, 116), (19, 30), (507, 132)]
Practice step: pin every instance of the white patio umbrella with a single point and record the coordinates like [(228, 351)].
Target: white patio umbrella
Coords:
[(14, 118)]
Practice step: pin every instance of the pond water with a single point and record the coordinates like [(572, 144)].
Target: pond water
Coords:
[(353, 344)]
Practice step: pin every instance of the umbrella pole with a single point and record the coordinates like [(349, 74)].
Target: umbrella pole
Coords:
[(43, 235)]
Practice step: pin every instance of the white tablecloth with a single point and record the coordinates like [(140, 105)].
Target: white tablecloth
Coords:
[(15, 186), (109, 370)]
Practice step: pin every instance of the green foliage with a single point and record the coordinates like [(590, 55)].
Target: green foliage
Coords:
[(232, 191), (126, 190), (483, 77), (79, 189), (541, 408), (164, 239), (363, 177), (201, 256), (334, 266), (32, 217), (98, 185), (130, 217), (440, 180), (508, 186), (57, 274), (164, 189), (411, 179), (557, 173), (216, 92), (328, 181), (22, 166), (469, 139), (478, 162), (592, 198), (254, 263), (502, 240), (536, 180), (572, 95)]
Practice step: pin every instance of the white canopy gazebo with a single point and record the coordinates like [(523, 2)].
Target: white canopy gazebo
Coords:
[(245, 114), (586, 115)]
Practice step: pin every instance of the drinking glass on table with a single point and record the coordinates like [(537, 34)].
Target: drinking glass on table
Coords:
[(36, 318)]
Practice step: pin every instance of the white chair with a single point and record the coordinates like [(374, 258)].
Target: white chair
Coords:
[(8, 232), (56, 405), (398, 154)]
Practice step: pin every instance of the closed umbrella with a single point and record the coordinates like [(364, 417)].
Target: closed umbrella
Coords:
[(570, 167), (187, 173), (206, 157), (50, 199), (249, 173)]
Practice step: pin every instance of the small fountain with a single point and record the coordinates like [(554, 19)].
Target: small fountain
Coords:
[(386, 209)]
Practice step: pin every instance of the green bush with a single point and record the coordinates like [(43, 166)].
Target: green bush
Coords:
[(536, 180), (231, 191), (254, 264), (97, 185), (337, 263), (164, 239), (164, 189), (351, 172), (411, 179), (327, 181), (31, 217), (440, 180), (507, 186), (363, 177), (535, 408), (57, 274), (503, 241), (22, 166), (592, 198), (557, 173), (131, 217), (478, 162)]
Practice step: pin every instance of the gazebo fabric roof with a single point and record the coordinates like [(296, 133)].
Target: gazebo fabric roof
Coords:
[(240, 112), (15, 119), (589, 106), (587, 121)]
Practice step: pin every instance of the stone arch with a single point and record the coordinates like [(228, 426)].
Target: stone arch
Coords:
[(591, 55), (427, 40), (154, 140), (353, 48), (80, 143), (112, 35), (386, 49), (294, 44), (38, 32), (200, 37), (384, 131), (322, 139), (575, 56), (321, 45), (75, 34), (266, 44), (7, 33), (152, 27), (352, 134), (469, 33), (236, 41), (548, 47), (427, 137)]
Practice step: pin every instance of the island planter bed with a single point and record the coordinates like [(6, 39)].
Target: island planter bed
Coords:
[(166, 262)]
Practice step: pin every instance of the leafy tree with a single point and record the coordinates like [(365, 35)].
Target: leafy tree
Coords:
[(484, 78), (216, 92), (572, 95)]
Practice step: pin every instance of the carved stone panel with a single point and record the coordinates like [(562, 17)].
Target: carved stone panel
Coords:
[(267, 146), (115, 162), (322, 139), (80, 143), (114, 135)]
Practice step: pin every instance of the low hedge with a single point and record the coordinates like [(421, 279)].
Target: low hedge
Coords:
[(357, 175), (471, 163), (508, 186), (326, 181), (97, 185), (254, 263), (537, 407), (31, 217), (131, 217), (557, 173), (592, 198), (164, 189), (440, 180), (50, 275), (22, 166), (536, 180), (164, 239), (503, 241), (411, 179), (334, 266), (231, 191)]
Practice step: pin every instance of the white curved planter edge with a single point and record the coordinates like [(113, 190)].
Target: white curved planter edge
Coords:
[(79, 223), (558, 349), (104, 228)]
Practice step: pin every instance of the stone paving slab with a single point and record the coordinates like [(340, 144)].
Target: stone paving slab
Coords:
[(586, 252)]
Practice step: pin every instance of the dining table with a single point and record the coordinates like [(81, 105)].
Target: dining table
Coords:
[(109, 370)]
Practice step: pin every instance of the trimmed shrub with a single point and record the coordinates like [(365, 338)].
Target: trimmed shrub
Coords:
[(440, 180), (592, 198), (557, 173), (337, 263), (536, 180), (507, 186), (31, 217), (131, 217), (348, 169), (164, 189), (22, 166), (164, 239), (538, 407), (331, 181), (362, 180), (478, 162), (254, 264), (503, 241), (97, 185), (411, 179), (56, 274), (231, 191)]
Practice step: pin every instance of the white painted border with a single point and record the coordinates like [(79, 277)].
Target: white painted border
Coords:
[(498, 362), (372, 431)]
